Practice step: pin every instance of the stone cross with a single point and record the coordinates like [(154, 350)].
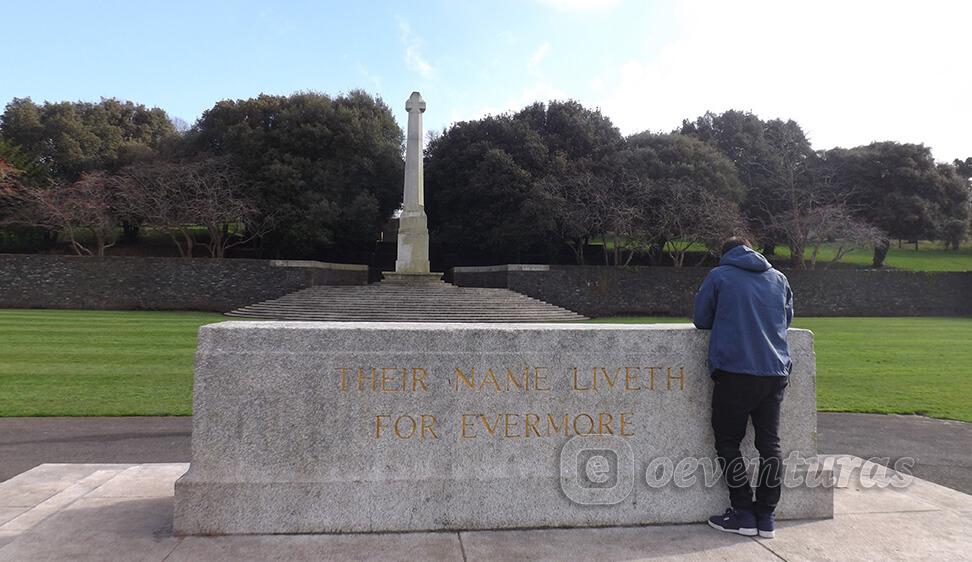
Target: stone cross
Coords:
[(413, 230), (414, 196)]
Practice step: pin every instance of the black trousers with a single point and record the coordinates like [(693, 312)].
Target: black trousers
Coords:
[(738, 398)]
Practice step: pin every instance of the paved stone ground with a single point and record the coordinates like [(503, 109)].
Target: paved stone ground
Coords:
[(124, 512), (941, 446)]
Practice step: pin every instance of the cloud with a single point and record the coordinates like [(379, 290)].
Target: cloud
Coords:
[(538, 55), (540, 90), (849, 72), (414, 59), (371, 77), (580, 5)]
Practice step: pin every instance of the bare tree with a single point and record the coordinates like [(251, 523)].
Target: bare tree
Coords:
[(574, 202), (10, 185), (836, 224), (180, 197), (91, 203), (693, 215), (160, 198), (217, 203), (625, 210)]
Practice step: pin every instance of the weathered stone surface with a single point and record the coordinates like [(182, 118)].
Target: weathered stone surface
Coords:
[(413, 227), (139, 528), (129, 283), (283, 444), (668, 291)]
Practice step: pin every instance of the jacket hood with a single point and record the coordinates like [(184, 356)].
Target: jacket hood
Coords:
[(746, 258)]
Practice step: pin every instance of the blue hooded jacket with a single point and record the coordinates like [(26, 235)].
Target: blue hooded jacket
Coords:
[(748, 306)]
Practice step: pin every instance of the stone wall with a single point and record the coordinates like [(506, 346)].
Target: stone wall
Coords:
[(334, 427), (127, 283), (666, 291)]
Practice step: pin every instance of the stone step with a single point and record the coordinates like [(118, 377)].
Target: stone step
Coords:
[(420, 316), (411, 302), (406, 304), (390, 311), (407, 318)]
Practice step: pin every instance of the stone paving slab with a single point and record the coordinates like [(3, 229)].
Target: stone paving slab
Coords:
[(124, 512), (36, 485), (939, 446), (394, 546), (664, 542)]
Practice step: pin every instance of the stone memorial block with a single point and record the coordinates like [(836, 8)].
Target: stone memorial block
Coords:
[(356, 427)]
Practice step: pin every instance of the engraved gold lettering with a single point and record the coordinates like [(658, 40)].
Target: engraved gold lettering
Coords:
[(411, 431), (575, 385), (361, 380), (427, 422), (590, 427), (680, 377), (469, 381), (601, 423), (419, 379), (490, 376), (531, 425), (491, 430), (465, 426), (624, 424), (387, 383), (507, 424), (539, 379), (513, 380), (607, 377), (378, 426), (551, 424)]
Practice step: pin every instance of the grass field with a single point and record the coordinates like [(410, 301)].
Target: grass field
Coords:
[(105, 363), (930, 256), (86, 363), (887, 365)]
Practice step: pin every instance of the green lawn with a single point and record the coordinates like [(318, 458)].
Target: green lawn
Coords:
[(887, 365), (105, 363), (930, 257), (85, 363)]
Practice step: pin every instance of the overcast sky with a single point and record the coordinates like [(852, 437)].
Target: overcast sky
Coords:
[(850, 72)]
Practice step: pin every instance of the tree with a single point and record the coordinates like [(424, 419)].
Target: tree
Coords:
[(793, 195), (741, 137), (683, 191), (91, 203), (10, 184), (328, 169), (574, 203), (69, 138), (177, 197), (899, 188), (954, 211), (692, 214), (964, 168), (159, 195), (507, 186), (217, 203)]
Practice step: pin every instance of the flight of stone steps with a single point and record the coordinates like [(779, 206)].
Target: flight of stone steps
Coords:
[(396, 302)]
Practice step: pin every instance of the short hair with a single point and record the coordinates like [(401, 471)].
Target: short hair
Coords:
[(734, 241)]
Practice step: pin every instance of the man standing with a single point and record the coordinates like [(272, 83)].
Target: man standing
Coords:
[(748, 306)]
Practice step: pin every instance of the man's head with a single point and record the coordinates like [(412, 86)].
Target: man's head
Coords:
[(734, 241)]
